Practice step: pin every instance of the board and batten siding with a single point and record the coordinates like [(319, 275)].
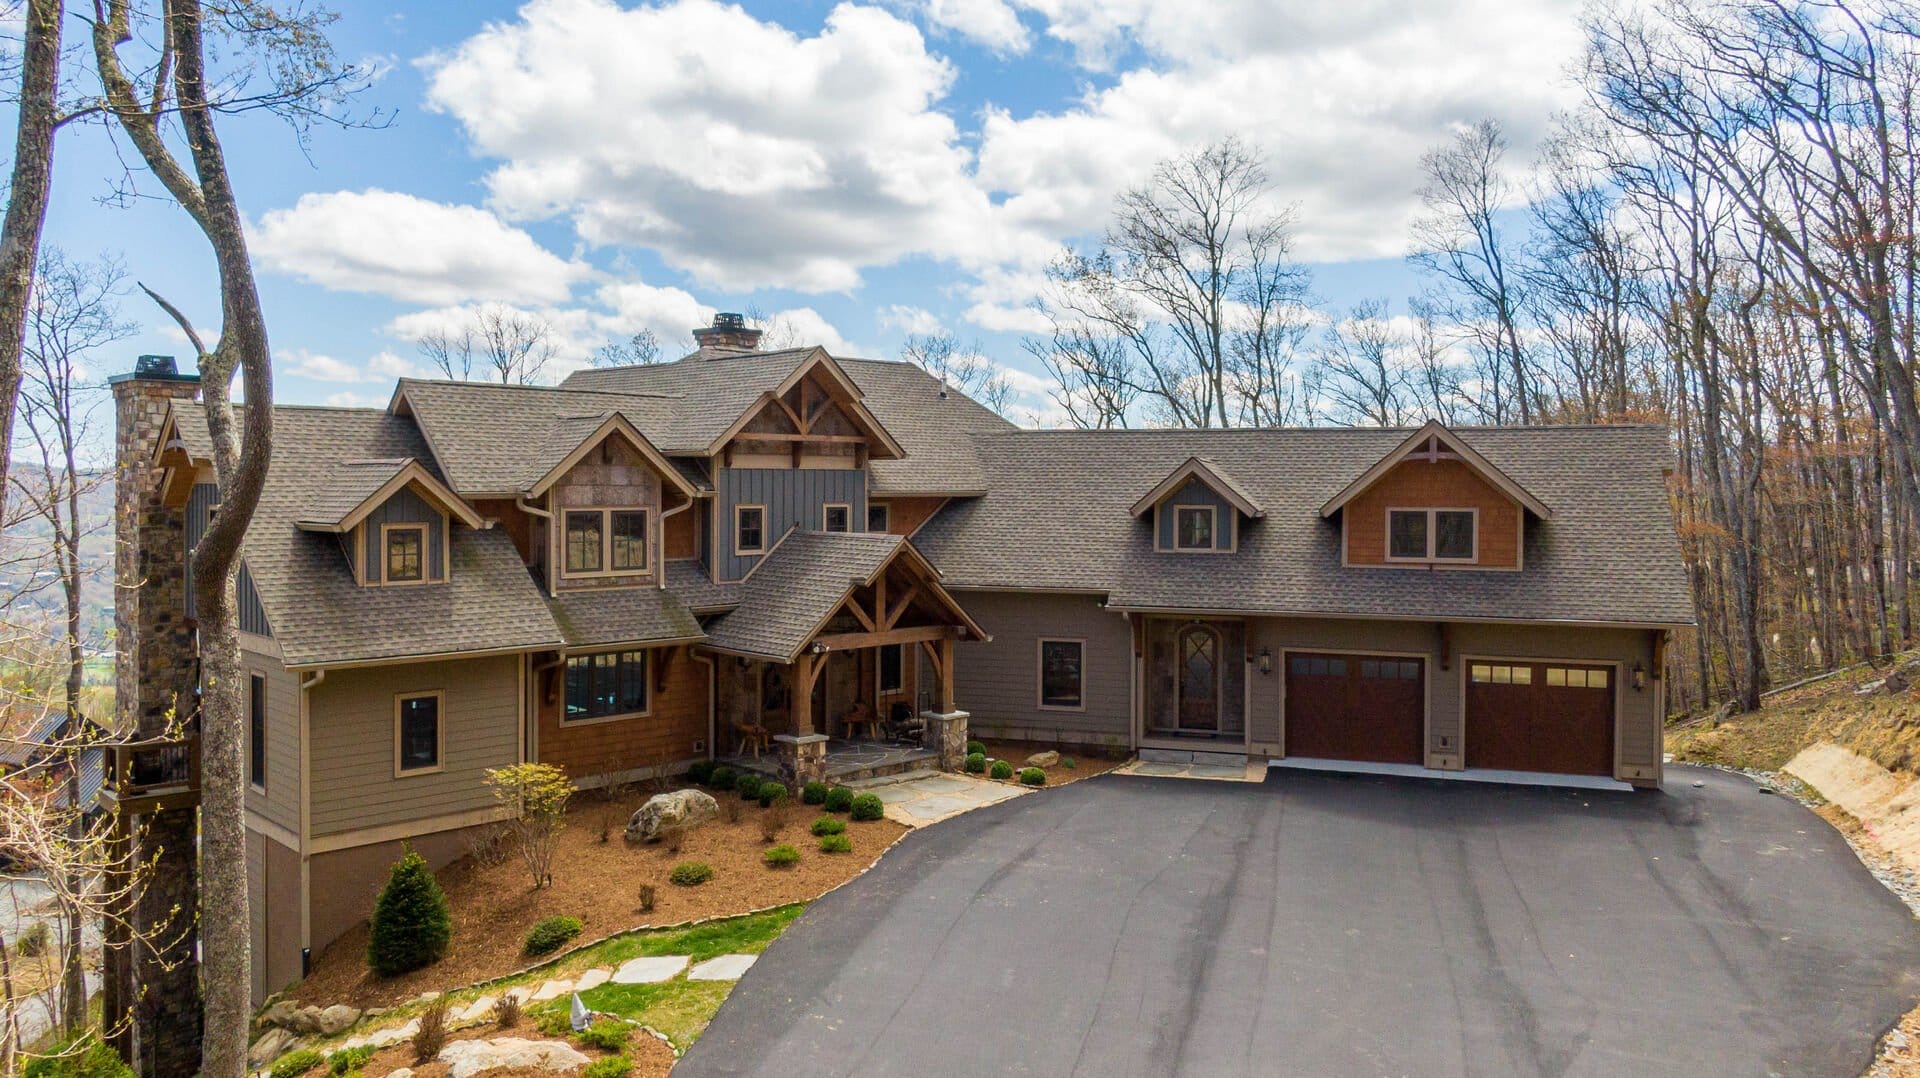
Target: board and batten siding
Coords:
[(1194, 492), (793, 496), (350, 719), (253, 616), (405, 507), (998, 682), (281, 803)]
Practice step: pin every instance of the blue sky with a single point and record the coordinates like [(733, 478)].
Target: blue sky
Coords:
[(855, 170)]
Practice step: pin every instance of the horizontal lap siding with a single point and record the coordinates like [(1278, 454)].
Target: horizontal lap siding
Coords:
[(997, 683), (677, 719), (281, 802), (350, 719), (1441, 484)]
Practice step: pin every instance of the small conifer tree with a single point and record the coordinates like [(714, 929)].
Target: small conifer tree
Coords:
[(411, 922)]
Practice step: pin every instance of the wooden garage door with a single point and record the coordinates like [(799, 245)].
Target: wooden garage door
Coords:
[(1540, 716), (1355, 707)]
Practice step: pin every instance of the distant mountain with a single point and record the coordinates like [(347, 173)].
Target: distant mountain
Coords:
[(30, 580)]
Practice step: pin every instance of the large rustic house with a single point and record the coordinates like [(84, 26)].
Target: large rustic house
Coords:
[(839, 564)]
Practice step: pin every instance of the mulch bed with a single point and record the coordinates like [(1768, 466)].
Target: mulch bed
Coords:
[(598, 882), (651, 1057), (1084, 766)]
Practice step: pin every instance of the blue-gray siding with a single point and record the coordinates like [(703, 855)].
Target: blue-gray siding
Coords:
[(200, 503), (792, 496), (405, 507), (1194, 492)]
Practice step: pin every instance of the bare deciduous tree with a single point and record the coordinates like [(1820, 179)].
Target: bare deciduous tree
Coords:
[(639, 350), (1367, 379), (496, 343), (964, 367)]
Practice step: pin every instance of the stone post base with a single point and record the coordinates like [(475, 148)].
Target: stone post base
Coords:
[(803, 759), (946, 734)]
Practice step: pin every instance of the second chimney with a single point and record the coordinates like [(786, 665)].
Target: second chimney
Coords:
[(728, 332)]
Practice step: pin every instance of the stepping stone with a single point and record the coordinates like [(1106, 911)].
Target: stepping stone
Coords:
[(934, 808), (552, 990), (593, 978), (898, 793), (650, 970), (944, 784), (727, 967), (478, 1010), (384, 1037)]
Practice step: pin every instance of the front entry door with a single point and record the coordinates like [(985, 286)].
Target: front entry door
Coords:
[(1199, 680)]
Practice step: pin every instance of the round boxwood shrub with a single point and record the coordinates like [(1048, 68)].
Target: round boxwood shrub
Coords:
[(701, 772), (976, 762), (1032, 776), (411, 923), (691, 873), (86, 1057), (549, 934), (979, 747), (814, 793), (835, 844), (827, 825), (839, 799), (868, 807), (781, 856), (1001, 770), (722, 778), (748, 786), (770, 792)]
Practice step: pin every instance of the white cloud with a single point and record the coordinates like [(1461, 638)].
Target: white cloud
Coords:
[(908, 319), (348, 398), (410, 249), (671, 313), (992, 23), (321, 368), (800, 326)]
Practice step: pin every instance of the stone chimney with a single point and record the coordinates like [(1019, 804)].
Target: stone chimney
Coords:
[(729, 332), (155, 671)]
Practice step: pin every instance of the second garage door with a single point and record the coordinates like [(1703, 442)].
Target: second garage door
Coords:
[(1540, 716), (1355, 707)]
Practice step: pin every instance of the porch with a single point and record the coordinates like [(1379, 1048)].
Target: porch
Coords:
[(849, 760)]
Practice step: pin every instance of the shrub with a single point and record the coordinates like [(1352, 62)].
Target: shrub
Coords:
[(607, 1034), (647, 895), (553, 1022), (296, 1063), (781, 856), (836, 844), (827, 825), (722, 778), (701, 772), (771, 792), (748, 786), (1067, 762), (549, 934), (691, 873), (33, 942), (1001, 770), (1032, 776), (506, 1010), (490, 845), (772, 820), (868, 807), (432, 1034), (536, 795), (88, 1057), (411, 923), (976, 748), (610, 1067), (349, 1059), (839, 799), (814, 793), (976, 762)]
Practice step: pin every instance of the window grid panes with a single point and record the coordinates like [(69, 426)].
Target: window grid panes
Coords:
[(749, 529), (1408, 534), (604, 685), (1453, 535), (1060, 673), (628, 538), (419, 733), (1495, 674), (1574, 678), (1193, 527), (583, 542), (406, 554)]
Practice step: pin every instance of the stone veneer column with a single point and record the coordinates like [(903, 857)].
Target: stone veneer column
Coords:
[(803, 759), (155, 677), (946, 734)]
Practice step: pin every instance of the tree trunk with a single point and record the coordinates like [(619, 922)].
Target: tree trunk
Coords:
[(32, 183)]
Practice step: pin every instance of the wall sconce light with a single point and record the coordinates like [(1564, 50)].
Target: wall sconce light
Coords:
[(1266, 660), (1639, 676)]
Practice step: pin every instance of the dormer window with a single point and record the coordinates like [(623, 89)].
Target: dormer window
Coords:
[(606, 541), (1431, 534), (627, 534), (583, 542), (406, 553), (1193, 527)]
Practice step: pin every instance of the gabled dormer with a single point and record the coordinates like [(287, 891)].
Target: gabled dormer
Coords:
[(813, 418), (1434, 503), (1197, 509), (604, 490), (395, 520)]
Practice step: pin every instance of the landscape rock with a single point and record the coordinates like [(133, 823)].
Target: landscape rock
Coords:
[(552, 990), (681, 809), (403, 1072), (384, 1037), (1043, 759), (303, 1020), (726, 967), (650, 969), (275, 1043), (464, 1059), (477, 1011), (278, 1014), (336, 1018)]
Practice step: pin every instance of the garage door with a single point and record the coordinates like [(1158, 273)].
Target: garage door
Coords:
[(1355, 707), (1534, 716)]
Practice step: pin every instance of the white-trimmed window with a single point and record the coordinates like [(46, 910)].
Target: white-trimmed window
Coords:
[(1193, 527), (598, 542), (878, 516), (417, 732), (836, 518), (610, 685), (749, 529), (893, 668), (404, 553), (1063, 674), (1432, 534)]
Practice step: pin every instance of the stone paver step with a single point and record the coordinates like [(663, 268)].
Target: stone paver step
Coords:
[(727, 967), (650, 970)]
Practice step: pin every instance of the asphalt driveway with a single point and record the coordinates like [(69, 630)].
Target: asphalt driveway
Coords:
[(1340, 925)]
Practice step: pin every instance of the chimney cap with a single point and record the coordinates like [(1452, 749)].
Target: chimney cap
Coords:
[(729, 333), (729, 320), (155, 368)]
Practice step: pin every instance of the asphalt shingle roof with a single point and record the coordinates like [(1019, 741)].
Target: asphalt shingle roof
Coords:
[(486, 437), (350, 485), (796, 587), (622, 616), (1056, 517)]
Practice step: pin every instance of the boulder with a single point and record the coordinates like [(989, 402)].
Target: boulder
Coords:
[(464, 1059), (278, 1014), (303, 1020), (403, 1072), (680, 810), (275, 1043), (336, 1018), (1043, 759)]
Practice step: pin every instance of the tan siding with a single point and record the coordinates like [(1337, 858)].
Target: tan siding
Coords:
[(997, 683), (273, 896), (1442, 484), (281, 802), (346, 881), (351, 717), (676, 721)]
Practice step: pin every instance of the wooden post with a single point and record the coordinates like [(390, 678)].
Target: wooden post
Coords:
[(946, 675), (805, 669)]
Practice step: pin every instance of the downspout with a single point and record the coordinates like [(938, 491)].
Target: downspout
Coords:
[(306, 821)]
